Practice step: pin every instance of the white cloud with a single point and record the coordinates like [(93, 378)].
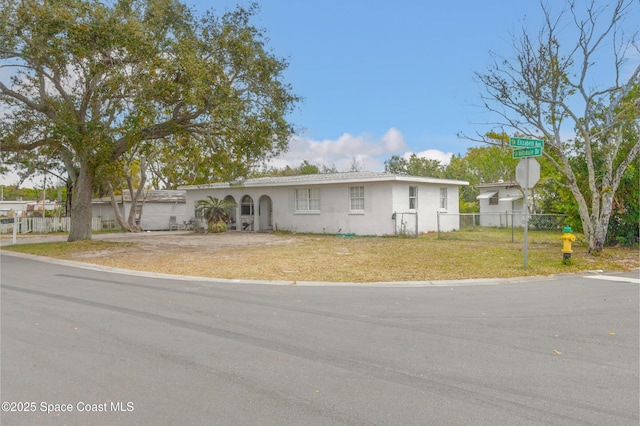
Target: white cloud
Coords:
[(432, 154), (367, 151)]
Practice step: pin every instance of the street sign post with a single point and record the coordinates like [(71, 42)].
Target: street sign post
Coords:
[(527, 175)]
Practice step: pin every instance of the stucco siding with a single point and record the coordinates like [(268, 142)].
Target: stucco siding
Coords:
[(325, 204), (503, 212), (381, 201), (428, 206), (155, 216)]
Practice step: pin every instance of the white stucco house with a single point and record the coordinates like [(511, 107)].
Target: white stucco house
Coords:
[(161, 209), (500, 204), (360, 203), (11, 208)]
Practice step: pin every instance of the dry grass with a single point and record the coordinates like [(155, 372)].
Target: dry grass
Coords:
[(457, 255)]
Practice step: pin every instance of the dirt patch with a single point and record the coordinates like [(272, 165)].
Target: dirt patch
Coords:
[(209, 242), (211, 255), (163, 241), (293, 258)]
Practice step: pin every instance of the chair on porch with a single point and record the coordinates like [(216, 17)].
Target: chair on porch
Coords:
[(247, 224), (173, 223)]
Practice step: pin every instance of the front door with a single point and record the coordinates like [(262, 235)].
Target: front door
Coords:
[(264, 214)]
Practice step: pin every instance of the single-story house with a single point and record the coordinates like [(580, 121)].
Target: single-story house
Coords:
[(500, 204), (158, 210), (14, 208), (362, 203), (26, 208)]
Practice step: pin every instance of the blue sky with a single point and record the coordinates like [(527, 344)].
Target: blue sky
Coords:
[(382, 78)]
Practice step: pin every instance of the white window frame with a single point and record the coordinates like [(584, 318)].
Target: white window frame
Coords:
[(356, 199), (307, 200), (444, 199), (413, 199)]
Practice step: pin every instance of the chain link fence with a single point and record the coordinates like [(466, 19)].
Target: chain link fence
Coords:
[(512, 220), (405, 224)]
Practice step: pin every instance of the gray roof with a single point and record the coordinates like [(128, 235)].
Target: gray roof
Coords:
[(507, 184), (150, 196), (326, 178)]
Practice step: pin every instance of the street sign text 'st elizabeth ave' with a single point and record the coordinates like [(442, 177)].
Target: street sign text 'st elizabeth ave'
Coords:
[(526, 147)]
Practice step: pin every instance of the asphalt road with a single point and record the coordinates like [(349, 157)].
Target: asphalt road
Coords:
[(82, 347)]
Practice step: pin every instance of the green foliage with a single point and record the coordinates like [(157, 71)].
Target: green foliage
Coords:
[(202, 97), (484, 164), (468, 206), (215, 210), (13, 192), (305, 168), (552, 86), (217, 227), (414, 166), (624, 227)]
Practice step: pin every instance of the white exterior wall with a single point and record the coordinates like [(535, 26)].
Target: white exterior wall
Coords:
[(381, 200), (333, 218), (104, 211), (500, 215), (155, 216), (428, 207), (17, 207)]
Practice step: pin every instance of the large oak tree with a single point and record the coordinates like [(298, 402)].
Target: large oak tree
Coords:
[(573, 85), (91, 80)]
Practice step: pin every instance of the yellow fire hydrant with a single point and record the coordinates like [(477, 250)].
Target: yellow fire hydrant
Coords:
[(567, 239)]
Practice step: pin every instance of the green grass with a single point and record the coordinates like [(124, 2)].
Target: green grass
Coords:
[(479, 253), (65, 250)]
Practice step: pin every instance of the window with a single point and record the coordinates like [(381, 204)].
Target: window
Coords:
[(246, 208), (494, 200), (413, 197), (356, 198), (307, 199), (443, 198)]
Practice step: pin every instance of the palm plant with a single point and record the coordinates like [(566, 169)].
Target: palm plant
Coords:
[(215, 210)]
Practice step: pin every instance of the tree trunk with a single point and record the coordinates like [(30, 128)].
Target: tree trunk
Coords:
[(126, 225), (81, 205), (137, 205), (600, 225)]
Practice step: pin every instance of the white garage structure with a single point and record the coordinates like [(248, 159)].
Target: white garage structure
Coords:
[(500, 204), (359, 203)]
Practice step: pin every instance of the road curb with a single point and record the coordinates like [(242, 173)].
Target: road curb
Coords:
[(382, 284)]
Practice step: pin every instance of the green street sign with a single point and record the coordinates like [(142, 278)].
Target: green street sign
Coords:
[(526, 143), (527, 152)]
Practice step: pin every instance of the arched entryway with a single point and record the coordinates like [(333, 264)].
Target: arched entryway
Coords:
[(265, 209), (232, 212), (246, 214)]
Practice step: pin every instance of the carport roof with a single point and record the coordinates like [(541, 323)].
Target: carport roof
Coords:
[(486, 195), (511, 198)]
